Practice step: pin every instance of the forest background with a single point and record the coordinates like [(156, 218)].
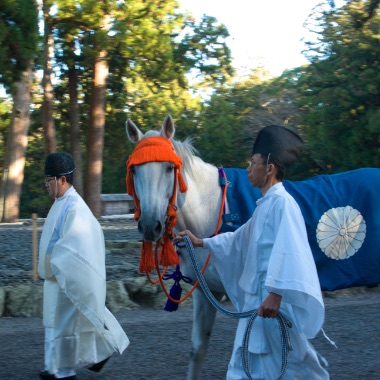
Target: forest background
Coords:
[(75, 70)]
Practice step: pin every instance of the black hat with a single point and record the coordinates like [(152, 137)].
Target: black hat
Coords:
[(58, 164), (280, 142)]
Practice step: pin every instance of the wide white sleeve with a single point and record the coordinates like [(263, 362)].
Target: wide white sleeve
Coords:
[(227, 254), (226, 246), (292, 271)]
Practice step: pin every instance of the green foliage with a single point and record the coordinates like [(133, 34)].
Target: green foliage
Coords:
[(34, 197), (341, 92), (220, 132), (18, 38), (232, 117), (148, 62), (204, 51), (333, 103), (5, 113)]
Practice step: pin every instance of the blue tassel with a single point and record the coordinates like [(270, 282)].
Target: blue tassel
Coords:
[(175, 293), (176, 290)]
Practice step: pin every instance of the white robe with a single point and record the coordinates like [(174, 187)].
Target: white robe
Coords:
[(270, 253), (72, 262)]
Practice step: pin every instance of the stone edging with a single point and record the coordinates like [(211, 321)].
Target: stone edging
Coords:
[(26, 300)]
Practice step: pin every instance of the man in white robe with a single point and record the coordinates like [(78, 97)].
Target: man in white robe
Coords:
[(79, 329), (267, 264)]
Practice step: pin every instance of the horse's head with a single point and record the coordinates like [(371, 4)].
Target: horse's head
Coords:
[(154, 179)]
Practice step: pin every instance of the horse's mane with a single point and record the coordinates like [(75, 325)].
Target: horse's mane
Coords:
[(187, 152), (184, 149)]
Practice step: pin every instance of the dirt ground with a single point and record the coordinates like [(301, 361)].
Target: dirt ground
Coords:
[(160, 343)]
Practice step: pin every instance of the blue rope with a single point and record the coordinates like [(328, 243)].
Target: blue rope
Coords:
[(284, 323)]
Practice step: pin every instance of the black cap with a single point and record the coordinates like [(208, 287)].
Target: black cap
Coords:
[(280, 142), (58, 164)]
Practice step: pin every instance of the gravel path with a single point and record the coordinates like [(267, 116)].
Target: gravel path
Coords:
[(16, 250), (160, 343)]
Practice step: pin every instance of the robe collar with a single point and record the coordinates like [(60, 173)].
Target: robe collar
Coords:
[(271, 191), (68, 192)]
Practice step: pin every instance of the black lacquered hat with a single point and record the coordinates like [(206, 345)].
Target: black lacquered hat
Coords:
[(280, 142), (59, 164)]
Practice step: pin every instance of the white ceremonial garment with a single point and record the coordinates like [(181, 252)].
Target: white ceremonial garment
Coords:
[(271, 253), (81, 329)]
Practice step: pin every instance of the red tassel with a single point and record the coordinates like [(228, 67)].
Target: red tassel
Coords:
[(129, 183), (131, 191), (146, 258), (182, 183), (137, 213), (169, 255)]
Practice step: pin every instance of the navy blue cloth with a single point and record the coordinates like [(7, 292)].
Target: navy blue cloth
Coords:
[(359, 189), (241, 198)]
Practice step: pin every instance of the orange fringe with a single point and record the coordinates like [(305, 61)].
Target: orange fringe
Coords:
[(146, 258)]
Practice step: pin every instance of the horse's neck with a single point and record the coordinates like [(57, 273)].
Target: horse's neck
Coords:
[(198, 208)]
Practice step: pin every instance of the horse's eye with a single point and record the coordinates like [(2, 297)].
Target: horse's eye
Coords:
[(170, 168)]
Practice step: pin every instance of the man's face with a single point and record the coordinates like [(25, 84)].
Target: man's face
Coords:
[(51, 184), (256, 170)]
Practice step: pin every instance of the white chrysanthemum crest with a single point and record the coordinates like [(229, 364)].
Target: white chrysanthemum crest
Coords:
[(341, 232)]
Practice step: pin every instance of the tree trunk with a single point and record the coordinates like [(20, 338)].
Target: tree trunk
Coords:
[(47, 106), (75, 126), (17, 142), (95, 139)]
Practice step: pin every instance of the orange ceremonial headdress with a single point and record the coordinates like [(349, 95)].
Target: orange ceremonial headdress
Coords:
[(157, 149)]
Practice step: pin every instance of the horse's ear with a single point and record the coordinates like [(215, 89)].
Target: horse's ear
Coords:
[(134, 134), (168, 128)]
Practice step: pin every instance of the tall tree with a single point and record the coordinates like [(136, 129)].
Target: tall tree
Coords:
[(19, 35), (75, 119), (48, 90), (95, 139), (69, 26), (340, 89)]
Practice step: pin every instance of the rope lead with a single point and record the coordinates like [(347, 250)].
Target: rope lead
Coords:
[(284, 323)]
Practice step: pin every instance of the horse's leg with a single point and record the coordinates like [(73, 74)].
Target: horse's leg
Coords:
[(203, 320)]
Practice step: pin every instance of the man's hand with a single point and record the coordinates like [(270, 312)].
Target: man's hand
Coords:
[(270, 306), (194, 240)]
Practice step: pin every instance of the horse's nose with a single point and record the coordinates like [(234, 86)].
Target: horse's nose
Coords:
[(150, 232)]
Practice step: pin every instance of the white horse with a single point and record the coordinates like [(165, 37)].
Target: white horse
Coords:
[(197, 211)]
